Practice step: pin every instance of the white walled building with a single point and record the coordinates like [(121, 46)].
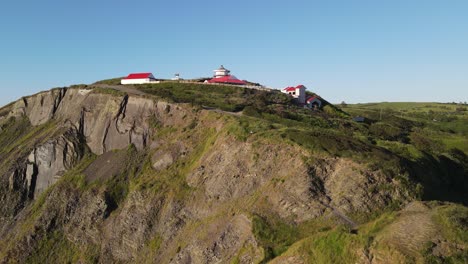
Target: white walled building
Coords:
[(139, 78), (298, 92), (221, 72)]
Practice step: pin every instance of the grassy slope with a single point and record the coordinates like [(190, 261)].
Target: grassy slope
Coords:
[(444, 123)]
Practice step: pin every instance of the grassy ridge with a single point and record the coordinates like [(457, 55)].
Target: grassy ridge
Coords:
[(435, 125), (228, 98)]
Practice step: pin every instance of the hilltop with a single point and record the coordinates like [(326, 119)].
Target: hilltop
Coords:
[(191, 173)]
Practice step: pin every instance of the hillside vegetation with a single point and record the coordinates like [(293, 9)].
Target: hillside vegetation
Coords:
[(192, 173)]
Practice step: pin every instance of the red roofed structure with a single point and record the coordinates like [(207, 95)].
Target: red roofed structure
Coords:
[(314, 102), (229, 79), (222, 75), (138, 78), (297, 92), (310, 99), (139, 75), (290, 89)]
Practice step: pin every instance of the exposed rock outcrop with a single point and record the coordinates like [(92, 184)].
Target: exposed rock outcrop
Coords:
[(107, 122), (222, 242), (47, 163)]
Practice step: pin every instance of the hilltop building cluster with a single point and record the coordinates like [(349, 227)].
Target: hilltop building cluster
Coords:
[(224, 76)]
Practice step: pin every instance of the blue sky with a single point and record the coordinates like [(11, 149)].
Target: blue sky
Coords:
[(353, 51)]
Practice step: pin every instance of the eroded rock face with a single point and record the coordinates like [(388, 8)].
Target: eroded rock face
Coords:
[(127, 232), (346, 184), (89, 211), (51, 160), (107, 122), (222, 242), (164, 158), (47, 163)]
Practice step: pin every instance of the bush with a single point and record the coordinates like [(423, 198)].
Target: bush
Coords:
[(274, 236), (386, 131), (423, 143), (459, 155)]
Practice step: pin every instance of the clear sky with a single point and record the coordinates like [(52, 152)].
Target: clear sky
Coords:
[(353, 51)]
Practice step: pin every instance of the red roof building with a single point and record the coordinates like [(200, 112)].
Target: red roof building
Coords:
[(229, 79), (297, 92), (222, 75), (144, 75), (139, 78), (312, 98), (314, 102)]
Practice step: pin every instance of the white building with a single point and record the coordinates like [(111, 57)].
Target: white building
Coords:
[(139, 78), (221, 72), (176, 77), (298, 92)]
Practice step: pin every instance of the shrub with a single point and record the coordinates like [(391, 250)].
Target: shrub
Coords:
[(423, 143), (274, 236), (386, 131)]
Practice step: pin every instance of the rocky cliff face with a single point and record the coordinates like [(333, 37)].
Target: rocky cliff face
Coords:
[(46, 164), (126, 178), (106, 122)]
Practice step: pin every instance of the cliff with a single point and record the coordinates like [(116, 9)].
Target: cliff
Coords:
[(93, 174)]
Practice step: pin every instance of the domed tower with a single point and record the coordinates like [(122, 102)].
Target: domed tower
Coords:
[(221, 72)]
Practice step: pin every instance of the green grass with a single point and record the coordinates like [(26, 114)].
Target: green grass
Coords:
[(228, 98), (336, 246), (407, 106), (113, 81), (434, 128), (274, 236), (453, 222), (12, 131), (54, 247), (114, 92), (405, 150), (322, 241)]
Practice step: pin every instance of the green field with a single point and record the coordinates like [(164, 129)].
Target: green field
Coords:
[(442, 123)]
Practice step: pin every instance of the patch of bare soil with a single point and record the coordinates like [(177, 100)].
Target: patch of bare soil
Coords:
[(106, 166)]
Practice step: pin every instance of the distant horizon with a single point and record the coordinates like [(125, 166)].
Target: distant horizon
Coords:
[(357, 52)]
